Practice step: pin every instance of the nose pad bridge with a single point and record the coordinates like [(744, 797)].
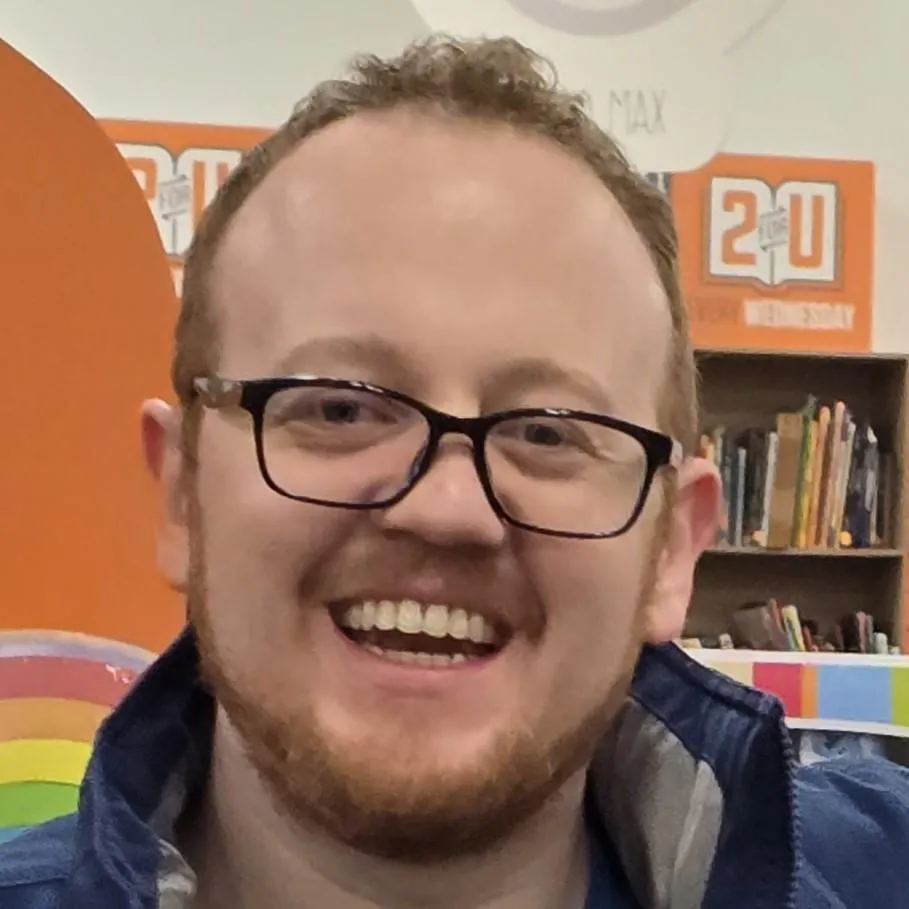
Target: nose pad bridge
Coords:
[(470, 428), (469, 432), (457, 440)]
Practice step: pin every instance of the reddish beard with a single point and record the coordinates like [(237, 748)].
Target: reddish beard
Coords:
[(382, 795)]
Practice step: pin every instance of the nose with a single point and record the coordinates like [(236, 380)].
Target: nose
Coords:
[(447, 506)]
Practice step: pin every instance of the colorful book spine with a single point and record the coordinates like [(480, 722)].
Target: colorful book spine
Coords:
[(815, 479)]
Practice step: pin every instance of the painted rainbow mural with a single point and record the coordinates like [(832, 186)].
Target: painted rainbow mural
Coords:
[(55, 689)]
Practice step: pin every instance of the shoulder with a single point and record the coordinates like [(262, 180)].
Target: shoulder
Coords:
[(854, 820), (35, 866)]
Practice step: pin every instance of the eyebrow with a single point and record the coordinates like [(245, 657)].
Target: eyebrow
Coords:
[(383, 359), (368, 352)]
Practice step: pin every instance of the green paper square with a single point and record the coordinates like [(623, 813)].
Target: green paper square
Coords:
[(899, 688)]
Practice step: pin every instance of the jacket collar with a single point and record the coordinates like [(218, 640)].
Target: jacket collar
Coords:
[(694, 783), (704, 768)]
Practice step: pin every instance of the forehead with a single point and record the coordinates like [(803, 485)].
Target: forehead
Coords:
[(462, 244)]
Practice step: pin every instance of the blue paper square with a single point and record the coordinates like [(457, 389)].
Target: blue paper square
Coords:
[(858, 694)]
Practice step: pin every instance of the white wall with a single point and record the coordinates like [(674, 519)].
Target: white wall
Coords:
[(824, 78)]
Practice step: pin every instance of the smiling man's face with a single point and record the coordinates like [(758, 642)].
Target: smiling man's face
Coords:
[(437, 257)]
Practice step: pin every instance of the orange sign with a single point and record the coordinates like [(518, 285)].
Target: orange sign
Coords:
[(88, 314), (88, 311), (179, 168), (777, 253)]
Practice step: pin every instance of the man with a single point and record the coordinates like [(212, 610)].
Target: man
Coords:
[(432, 497)]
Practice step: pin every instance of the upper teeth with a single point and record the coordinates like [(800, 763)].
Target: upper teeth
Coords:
[(410, 617)]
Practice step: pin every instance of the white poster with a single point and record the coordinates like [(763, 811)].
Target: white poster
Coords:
[(634, 58)]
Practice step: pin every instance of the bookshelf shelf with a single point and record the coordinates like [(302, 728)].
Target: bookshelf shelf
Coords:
[(812, 450), (833, 692), (755, 551)]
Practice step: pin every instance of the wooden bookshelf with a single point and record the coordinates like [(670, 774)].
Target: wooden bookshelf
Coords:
[(742, 390), (747, 551)]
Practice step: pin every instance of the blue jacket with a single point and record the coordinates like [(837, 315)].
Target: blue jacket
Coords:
[(697, 784)]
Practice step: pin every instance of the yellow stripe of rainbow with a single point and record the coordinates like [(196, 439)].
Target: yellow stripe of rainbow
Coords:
[(43, 761)]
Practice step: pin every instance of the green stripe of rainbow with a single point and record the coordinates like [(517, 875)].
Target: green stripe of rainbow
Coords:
[(55, 689)]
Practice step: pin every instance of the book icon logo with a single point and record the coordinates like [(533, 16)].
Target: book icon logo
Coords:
[(773, 235)]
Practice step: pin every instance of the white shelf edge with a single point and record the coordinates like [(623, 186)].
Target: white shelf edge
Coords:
[(710, 656), (851, 726)]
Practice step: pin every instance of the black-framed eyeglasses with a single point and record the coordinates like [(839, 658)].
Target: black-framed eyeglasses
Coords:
[(348, 444)]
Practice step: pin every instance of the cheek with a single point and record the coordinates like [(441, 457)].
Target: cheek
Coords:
[(258, 548), (592, 592)]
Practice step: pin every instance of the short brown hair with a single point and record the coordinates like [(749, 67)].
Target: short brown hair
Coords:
[(486, 79)]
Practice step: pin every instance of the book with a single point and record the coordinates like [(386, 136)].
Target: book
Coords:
[(767, 625), (814, 479)]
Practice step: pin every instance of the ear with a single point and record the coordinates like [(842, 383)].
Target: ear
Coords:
[(692, 528), (161, 445)]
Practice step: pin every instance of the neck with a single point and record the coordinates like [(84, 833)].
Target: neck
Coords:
[(246, 855)]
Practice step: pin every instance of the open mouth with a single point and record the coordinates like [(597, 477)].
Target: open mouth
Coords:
[(431, 636)]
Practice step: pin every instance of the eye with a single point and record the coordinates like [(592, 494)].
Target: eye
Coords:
[(554, 433), (544, 435), (340, 410), (548, 435), (327, 407)]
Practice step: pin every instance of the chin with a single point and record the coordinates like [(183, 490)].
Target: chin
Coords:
[(419, 795), (420, 738)]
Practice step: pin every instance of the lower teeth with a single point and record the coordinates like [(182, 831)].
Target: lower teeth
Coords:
[(427, 660)]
